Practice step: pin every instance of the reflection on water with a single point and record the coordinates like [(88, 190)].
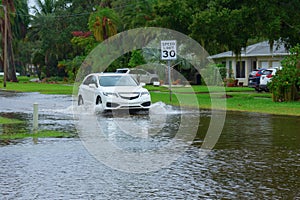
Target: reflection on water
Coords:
[(256, 157)]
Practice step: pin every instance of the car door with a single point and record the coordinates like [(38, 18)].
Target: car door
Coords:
[(88, 90)]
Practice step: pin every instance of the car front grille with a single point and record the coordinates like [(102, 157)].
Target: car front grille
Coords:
[(129, 95)]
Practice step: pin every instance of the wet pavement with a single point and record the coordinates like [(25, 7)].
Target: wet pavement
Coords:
[(256, 157)]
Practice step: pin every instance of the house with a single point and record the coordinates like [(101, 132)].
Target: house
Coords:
[(255, 56)]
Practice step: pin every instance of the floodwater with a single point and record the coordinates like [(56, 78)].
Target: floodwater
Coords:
[(256, 157)]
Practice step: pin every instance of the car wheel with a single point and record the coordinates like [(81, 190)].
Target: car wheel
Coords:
[(80, 100), (98, 100)]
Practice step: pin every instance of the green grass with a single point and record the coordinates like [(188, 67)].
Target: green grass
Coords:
[(24, 85), (261, 104), (238, 101), (21, 133), (4, 120), (198, 89), (39, 134)]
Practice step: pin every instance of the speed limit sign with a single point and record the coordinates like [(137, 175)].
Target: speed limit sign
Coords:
[(168, 50)]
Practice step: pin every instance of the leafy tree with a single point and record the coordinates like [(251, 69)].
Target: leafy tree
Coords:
[(290, 25), (133, 14), (19, 29), (172, 14), (83, 42), (231, 24), (285, 84), (136, 59), (71, 67), (228, 24), (103, 23), (53, 24)]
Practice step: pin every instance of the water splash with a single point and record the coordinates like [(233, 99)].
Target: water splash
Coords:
[(162, 108)]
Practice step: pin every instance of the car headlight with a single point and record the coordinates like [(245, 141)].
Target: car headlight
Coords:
[(145, 93), (110, 94)]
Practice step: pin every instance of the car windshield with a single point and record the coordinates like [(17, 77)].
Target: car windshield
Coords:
[(121, 71), (111, 81)]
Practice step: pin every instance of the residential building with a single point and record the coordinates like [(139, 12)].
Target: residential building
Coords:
[(255, 56)]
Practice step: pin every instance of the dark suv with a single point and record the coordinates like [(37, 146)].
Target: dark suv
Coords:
[(254, 78)]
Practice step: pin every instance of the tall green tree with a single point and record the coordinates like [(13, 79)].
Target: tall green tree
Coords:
[(16, 29), (231, 24), (172, 14), (133, 14), (228, 24), (103, 23), (52, 25), (19, 28)]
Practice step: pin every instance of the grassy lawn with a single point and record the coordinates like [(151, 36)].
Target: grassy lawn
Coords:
[(4, 120), (15, 133), (241, 98), (39, 134), (24, 85)]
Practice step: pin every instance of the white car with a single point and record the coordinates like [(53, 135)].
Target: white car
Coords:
[(265, 78), (113, 91), (141, 75)]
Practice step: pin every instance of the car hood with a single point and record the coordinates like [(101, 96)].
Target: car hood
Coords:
[(124, 89)]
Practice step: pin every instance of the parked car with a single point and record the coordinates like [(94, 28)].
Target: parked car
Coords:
[(254, 78), (113, 91), (266, 77), (141, 75)]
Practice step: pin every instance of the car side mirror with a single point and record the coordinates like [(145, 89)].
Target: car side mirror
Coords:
[(142, 84), (92, 85)]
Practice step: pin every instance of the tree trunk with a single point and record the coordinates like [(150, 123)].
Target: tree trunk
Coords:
[(11, 70)]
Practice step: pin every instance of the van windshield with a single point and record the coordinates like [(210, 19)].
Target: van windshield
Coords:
[(122, 71)]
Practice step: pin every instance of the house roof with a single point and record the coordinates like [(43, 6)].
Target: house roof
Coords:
[(257, 50)]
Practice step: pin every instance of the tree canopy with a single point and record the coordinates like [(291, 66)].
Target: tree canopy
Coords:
[(48, 40)]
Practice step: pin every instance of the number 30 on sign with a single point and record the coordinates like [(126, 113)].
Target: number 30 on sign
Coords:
[(168, 50)]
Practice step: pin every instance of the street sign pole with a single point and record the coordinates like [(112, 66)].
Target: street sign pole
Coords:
[(170, 85), (169, 52)]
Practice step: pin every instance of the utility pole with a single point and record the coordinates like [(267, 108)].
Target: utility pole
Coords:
[(5, 46)]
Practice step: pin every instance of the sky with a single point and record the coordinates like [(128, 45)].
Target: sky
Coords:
[(30, 4)]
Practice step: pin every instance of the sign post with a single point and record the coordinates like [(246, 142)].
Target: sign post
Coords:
[(169, 52)]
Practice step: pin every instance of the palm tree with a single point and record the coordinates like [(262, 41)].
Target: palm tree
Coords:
[(43, 29), (103, 23), (9, 8), (44, 7), (18, 19)]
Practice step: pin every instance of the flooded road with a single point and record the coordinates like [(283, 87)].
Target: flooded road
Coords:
[(257, 157)]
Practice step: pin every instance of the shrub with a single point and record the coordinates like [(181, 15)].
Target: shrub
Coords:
[(285, 84)]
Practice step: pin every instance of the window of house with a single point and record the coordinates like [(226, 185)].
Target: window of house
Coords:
[(254, 66), (240, 69)]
